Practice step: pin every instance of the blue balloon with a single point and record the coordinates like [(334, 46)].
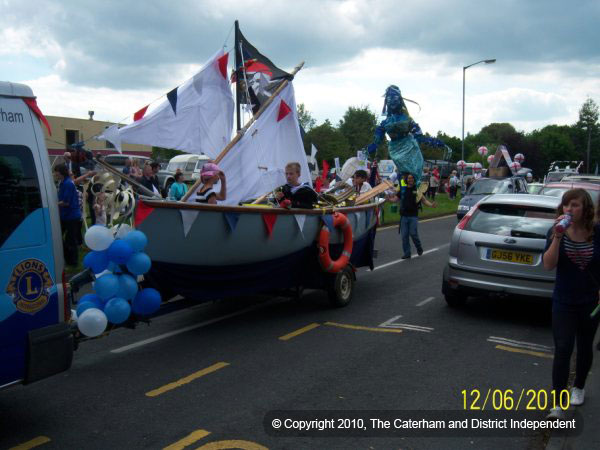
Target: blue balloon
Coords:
[(114, 268), (139, 263), (137, 240), (127, 287), (146, 302), (95, 260), (107, 286), (89, 301), (119, 251), (117, 310)]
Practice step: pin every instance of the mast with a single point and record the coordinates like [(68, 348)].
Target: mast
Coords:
[(238, 72)]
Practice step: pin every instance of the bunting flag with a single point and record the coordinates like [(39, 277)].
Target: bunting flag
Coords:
[(222, 63), (284, 110), (300, 219), (204, 118), (269, 219), (140, 114), (172, 97), (142, 211), (31, 102), (325, 170), (188, 218), (232, 220), (318, 184), (328, 221)]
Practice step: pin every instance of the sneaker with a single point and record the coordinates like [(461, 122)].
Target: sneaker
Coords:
[(577, 396), (556, 413), (406, 257), (420, 252)]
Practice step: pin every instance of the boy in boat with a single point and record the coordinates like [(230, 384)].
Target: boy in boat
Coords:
[(359, 182), (295, 194)]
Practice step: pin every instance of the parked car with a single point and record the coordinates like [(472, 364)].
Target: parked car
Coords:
[(497, 248), (189, 165), (558, 189), (118, 161), (581, 178), (486, 186)]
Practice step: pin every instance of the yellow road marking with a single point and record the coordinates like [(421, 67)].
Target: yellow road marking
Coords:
[(527, 352), (359, 327), (188, 440), (186, 380), (40, 440), (239, 444), (300, 331)]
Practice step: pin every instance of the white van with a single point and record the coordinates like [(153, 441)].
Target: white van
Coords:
[(189, 165), (35, 336)]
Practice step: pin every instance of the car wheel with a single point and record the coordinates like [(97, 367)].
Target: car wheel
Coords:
[(341, 287)]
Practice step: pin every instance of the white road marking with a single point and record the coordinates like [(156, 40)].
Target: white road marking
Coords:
[(520, 344), (391, 323), (191, 327), (389, 227), (427, 300), (401, 260)]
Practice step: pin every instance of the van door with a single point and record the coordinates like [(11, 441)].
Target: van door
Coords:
[(32, 299)]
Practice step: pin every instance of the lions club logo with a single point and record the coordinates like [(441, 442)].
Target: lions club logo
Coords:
[(28, 286)]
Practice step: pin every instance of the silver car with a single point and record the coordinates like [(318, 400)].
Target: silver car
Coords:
[(497, 248)]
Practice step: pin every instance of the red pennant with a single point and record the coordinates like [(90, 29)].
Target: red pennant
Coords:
[(138, 115), (142, 211), (284, 110), (222, 61), (269, 219), (325, 170), (38, 112), (318, 184)]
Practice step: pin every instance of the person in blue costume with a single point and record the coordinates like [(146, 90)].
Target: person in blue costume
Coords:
[(399, 126)]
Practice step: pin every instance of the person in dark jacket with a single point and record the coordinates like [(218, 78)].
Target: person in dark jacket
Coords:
[(575, 254), (70, 214), (295, 194)]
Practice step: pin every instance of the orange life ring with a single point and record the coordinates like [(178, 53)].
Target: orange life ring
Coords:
[(327, 264)]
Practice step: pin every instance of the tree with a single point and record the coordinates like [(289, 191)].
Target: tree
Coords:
[(330, 142), (305, 117), (554, 143), (358, 127), (161, 154), (588, 122)]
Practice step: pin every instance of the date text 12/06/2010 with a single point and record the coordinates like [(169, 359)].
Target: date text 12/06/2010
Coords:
[(511, 400)]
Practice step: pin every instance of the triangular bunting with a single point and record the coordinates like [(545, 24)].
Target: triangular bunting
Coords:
[(232, 220), (172, 97), (269, 219), (38, 112), (284, 110), (328, 221), (141, 212), (300, 219), (222, 62), (138, 115), (188, 218)]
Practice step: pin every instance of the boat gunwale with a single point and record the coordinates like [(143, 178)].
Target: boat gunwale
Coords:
[(166, 204)]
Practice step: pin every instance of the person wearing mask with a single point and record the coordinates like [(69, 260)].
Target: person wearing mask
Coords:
[(70, 214), (574, 251), (178, 188)]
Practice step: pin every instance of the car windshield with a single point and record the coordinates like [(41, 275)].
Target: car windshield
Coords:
[(559, 192), (512, 220), (173, 166), (555, 176), (489, 186)]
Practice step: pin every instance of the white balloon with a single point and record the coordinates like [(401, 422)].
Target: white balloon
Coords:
[(123, 230), (92, 322), (98, 237)]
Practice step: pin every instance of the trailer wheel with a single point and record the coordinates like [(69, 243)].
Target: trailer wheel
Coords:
[(341, 287)]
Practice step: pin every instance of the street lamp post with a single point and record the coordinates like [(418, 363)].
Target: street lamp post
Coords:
[(487, 61)]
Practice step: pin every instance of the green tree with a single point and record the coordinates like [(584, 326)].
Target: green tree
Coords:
[(164, 154), (305, 117), (358, 127), (555, 144), (330, 142), (588, 122)]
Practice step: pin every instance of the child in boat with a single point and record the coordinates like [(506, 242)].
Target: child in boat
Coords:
[(359, 182), (294, 193), (210, 175)]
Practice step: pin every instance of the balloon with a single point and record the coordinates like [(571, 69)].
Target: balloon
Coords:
[(94, 298), (477, 167), (92, 322), (127, 287), (482, 150), (519, 157), (490, 159), (139, 263), (98, 237), (114, 268), (122, 230), (147, 301), (119, 251), (107, 286), (84, 305), (515, 165), (117, 310), (97, 261), (461, 164), (137, 240)]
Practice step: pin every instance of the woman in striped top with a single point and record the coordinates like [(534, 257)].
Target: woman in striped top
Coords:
[(575, 254)]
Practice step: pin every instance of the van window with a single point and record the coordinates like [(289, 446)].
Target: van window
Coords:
[(19, 191), (201, 163), (189, 167), (115, 160)]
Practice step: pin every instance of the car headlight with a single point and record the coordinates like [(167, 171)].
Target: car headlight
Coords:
[(463, 208)]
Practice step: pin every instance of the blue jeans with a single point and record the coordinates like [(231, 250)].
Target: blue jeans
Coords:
[(408, 227)]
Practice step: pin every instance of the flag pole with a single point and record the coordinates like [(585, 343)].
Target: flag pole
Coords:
[(243, 130), (238, 68)]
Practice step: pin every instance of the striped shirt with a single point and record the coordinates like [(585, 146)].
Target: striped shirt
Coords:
[(580, 253), (202, 197)]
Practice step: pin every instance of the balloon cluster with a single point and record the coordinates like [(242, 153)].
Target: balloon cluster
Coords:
[(482, 150), (116, 259)]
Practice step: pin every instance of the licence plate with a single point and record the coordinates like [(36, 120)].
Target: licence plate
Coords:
[(509, 256)]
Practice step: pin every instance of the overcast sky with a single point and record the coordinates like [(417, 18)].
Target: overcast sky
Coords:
[(114, 57)]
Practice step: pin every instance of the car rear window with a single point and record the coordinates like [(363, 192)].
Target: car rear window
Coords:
[(559, 192), (489, 186), (512, 220)]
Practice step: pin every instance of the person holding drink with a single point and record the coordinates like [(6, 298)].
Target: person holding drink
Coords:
[(573, 248)]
